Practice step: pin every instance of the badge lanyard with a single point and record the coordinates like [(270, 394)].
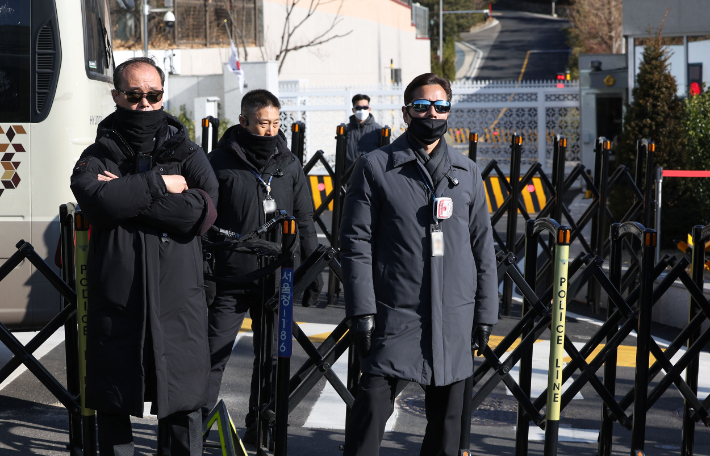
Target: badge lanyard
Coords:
[(269, 202), (443, 208)]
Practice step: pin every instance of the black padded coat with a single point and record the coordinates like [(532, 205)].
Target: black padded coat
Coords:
[(241, 197), (145, 278)]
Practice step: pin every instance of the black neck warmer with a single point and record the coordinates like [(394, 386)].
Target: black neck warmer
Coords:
[(258, 149), (140, 129), (435, 163)]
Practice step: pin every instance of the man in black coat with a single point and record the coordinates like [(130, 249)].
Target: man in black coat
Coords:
[(363, 132), (148, 193), (257, 174), (419, 273)]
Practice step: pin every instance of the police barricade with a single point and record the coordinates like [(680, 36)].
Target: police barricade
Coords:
[(598, 187), (333, 198), (272, 256), (81, 420)]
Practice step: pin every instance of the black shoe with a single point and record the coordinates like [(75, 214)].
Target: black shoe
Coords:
[(249, 436)]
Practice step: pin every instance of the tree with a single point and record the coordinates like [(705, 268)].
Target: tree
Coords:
[(657, 114), (596, 28), (696, 123), (293, 23)]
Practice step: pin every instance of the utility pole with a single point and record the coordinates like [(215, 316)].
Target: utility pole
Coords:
[(441, 32), (146, 12)]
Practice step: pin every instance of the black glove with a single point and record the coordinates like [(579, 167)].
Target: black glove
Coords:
[(361, 329), (480, 336), (310, 296)]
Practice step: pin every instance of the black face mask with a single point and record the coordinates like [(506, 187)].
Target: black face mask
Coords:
[(258, 149), (139, 128), (427, 130)]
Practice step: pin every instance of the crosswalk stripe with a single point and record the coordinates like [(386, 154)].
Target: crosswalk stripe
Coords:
[(24, 337), (329, 410)]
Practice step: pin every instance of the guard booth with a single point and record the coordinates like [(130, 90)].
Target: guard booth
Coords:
[(603, 84)]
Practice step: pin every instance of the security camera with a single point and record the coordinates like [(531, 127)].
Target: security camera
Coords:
[(169, 19)]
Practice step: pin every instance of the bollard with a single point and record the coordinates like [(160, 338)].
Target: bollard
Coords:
[(648, 202), (340, 149), (512, 229), (205, 134), (657, 225), (473, 146), (298, 139), (81, 235), (71, 337), (557, 341), (604, 149), (558, 174), (266, 365), (206, 123), (691, 373), (526, 361), (284, 339), (606, 427), (645, 308), (385, 136)]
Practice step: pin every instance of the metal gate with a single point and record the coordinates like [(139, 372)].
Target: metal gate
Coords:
[(535, 110)]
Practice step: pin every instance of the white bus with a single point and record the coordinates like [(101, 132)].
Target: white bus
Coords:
[(56, 68)]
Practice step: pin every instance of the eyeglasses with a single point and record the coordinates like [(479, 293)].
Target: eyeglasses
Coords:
[(136, 97), (360, 108), (440, 106)]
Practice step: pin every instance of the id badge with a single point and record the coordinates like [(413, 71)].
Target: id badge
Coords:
[(443, 208), (437, 241), (269, 205)]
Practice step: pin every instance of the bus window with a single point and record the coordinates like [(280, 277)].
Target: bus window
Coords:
[(15, 64), (97, 40)]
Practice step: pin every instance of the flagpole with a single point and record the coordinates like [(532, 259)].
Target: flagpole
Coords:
[(229, 34)]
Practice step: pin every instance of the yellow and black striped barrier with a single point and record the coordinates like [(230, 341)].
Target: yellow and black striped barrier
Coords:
[(534, 194)]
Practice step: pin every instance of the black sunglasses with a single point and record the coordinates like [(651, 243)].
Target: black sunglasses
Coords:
[(136, 97), (440, 106), (360, 108)]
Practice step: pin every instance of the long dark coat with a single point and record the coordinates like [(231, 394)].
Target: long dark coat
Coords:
[(424, 306), (145, 274), (241, 198)]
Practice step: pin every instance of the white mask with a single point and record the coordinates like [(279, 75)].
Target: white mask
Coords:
[(362, 114)]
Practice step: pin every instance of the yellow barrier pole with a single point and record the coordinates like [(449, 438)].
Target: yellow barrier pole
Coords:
[(557, 341), (81, 240)]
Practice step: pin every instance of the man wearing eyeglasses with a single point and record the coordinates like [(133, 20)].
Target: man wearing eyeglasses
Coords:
[(148, 193), (419, 273), (363, 132)]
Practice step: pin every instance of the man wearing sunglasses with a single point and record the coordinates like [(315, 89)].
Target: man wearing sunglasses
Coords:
[(363, 132), (419, 270), (149, 193)]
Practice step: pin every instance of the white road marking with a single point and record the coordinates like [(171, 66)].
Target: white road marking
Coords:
[(24, 338), (329, 410), (541, 363), (566, 434)]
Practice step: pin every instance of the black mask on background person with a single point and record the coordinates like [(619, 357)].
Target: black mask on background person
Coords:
[(139, 128), (258, 149), (427, 130)]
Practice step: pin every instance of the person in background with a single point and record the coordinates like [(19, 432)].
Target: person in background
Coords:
[(363, 132), (149, 193), (257, 175)]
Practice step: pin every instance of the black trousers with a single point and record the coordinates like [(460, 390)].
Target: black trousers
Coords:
[(225, 318), (116, 434), (374, 403)]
